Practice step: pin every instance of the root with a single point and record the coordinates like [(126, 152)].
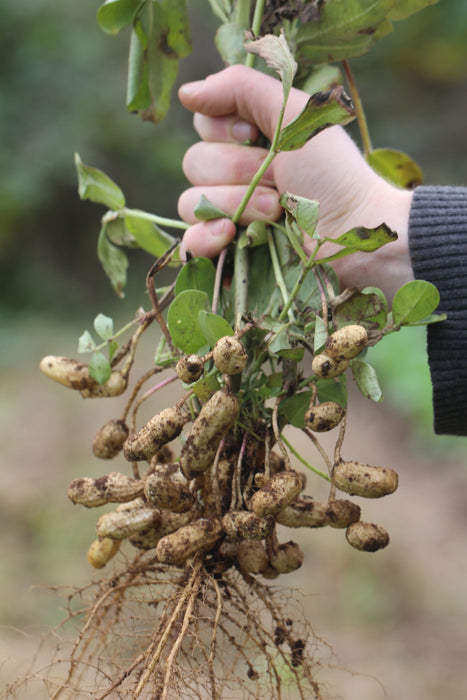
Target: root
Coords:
[(150, 632)]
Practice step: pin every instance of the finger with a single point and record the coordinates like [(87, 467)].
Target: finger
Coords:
[(224, 164), (207, 238), (264, 203), (245, 92), (229, 128)]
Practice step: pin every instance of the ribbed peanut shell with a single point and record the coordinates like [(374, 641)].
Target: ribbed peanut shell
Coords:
[(229, 355), (367, 537), (252, 557), (110, 488), (66, 371), (347, 342), (341, 513), (120, 524), (215, 419), (168, 489), (287, 558), (199, 536), (101, 552), (281, 490), (247, 526), (324, 417), (158, 431), (359, 479), (114, 386), (109, 440), (303, 512)]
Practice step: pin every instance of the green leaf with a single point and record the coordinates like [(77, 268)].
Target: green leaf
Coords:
[(261, 287), (99, 368), (197, 273), (255, 234), (368, 308), (396, 167), (366, 380), (432, 318), (405, 8), (320, 335), (206, 210), (182, 320), (414, 301), (104, 326), (346, 28), (113, 15), (86, 342), (213, 327), (95, 185), (275, 51), (323, 109), (321, 78), (148, 236), (362, 239), (112, 348), (118, 233), (113, 260), (205, 387), (230, 40), (305, 211), (333, 390), (281, 344), (293, 408)]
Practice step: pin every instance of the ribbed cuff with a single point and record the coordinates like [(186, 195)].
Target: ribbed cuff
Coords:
[(438, 249)]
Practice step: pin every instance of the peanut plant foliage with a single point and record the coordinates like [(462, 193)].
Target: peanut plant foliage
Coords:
[(194, 503)]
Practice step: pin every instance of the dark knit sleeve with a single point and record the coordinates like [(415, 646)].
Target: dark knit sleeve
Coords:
[(438, 249)]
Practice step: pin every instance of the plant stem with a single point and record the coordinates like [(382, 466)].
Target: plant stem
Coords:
[(240, 284), (252, 186), (361, 118), (256, 28), (278, 274), (303, 461), (159, 220)]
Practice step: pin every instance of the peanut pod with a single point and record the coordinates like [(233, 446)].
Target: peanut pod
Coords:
[(325, 366), (216, 417), (359, 479), (109, 439), (189, 368), (66, 371), (341, 513), (114, 386), (367, 537), (324, 417), (252, 557), (229, 355), (303, 512), (168, 489), (286, 558), (148, 537), (110, 488), (101, 552), (346, 343), (247, 526), (123, 523), (198, 536), (158, 431), (281, 490)]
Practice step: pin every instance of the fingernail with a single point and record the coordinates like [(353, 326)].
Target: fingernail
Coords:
[(191, 88), (242, 131), (267, 203), (218, 228)]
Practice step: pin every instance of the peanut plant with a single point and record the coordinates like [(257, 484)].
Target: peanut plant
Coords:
[(203, 485)]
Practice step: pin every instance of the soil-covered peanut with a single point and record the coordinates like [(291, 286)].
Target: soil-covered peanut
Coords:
[(229, 355), (148, 537), (359, 479), (367, 537), (346, 343), (158, 431), (341, 513), (303, 512), (109, 440), (168, 489), (247, 526), (252, 557), (198, 536), (215, 419), (327, 367), (189, 368), (66, 371), (101, 552), (110, 488), (115, 385), (324, 417), (123, 523), (287, 557), (281, 490)]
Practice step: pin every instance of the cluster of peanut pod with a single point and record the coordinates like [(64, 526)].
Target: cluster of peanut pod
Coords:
[(224, 495)]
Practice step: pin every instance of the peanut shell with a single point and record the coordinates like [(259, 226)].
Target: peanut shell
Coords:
[(324, 417), (198, 536), (303, 512), (367, 537), (281, 490), (327, 367), (109, 440), (158, 431), (346, 343), (110, 488), (229, 355), (359, 479)]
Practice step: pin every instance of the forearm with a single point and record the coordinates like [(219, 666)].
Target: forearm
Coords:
[(438, 249)]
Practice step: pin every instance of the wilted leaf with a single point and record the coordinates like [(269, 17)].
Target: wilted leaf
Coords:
[(305, 211), (362, 239), (323, 109), (95, 185), (213, 327), (396, 167), (182, 320), (86, 342), (104, 326), (206, 210), (198, 273), (99, 368), (346, 28), (113, 15), (275, 51), (230, 40), (113, 260), (366, 380), (148, 236), (255, 234), (414, 301), (368, 309)]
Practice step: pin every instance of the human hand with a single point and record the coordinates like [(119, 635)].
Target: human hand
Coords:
[(233, 106)]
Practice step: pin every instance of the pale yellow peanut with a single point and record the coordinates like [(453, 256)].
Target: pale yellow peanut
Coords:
[(367, 537), (199, 536), (158, 431), (110, 488), (359, 479), (281, 490), (101, 552), (303, 512)]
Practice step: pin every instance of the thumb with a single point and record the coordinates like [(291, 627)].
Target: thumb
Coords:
[(253, 96)]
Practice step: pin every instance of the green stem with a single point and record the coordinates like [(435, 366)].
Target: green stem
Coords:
[(303, 461), (160, 220), (256, 28), (361, 118), (252, 186), (278, 274), (240, 284), (298, 283)]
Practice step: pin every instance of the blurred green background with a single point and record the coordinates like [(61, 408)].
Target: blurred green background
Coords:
[(62, 89)]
